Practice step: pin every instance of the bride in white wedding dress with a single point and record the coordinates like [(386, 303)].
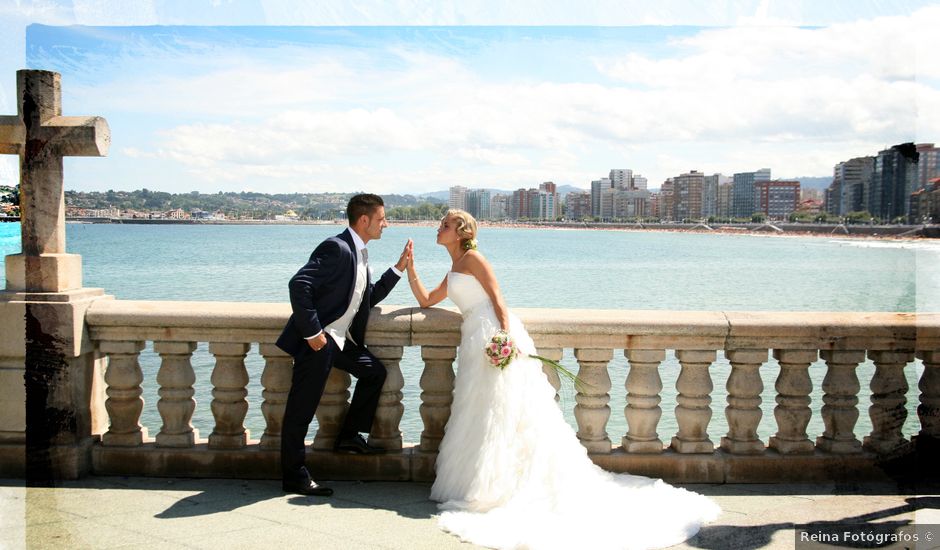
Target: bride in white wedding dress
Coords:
[(511, 472)]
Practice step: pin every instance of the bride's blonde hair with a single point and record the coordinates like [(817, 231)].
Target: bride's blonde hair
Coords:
[(466, 227)]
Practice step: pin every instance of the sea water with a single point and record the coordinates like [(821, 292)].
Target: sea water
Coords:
[(536, 268)]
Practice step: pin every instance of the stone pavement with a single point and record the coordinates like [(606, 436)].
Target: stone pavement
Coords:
[(135, 512)]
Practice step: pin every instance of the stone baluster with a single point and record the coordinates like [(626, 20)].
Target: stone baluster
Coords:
[(592, 411), (743, 411), (176, 405), (331, 412), (693, 408), (643, 412), (792, 411), (386, 429), (888, 398), (929, 409), (839, 411), (553, 377), (123, 377), (437, 393), (229, 392), (276, 381)]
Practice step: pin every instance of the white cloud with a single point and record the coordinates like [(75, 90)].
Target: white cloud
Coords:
[(732, 99), (787, 82), (492, 156)]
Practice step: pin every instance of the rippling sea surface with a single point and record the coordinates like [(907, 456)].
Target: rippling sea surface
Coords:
[(584, 269)]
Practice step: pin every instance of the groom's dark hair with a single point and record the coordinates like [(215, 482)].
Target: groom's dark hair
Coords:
[(362, 205)]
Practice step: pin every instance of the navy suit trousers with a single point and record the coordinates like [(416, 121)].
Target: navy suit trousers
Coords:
[(311, 369)]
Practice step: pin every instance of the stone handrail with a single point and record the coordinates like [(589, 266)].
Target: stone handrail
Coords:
[(120, 330)]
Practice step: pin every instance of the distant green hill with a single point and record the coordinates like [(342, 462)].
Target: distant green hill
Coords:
[(250, 204)]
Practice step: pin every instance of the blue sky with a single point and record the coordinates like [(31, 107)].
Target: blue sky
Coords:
[(364, 99)]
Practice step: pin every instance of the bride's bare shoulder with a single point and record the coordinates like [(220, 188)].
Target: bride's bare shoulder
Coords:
[(476, 263), (474, 257)]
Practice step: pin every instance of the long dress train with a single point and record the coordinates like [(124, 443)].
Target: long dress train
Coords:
[(511, 472)]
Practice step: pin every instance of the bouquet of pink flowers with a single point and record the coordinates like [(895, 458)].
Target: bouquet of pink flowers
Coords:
[(501, 350)]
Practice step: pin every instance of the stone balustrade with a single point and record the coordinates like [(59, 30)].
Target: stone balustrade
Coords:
[(795, 341)]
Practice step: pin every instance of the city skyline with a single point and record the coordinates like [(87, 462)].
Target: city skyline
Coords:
[(419, 109)]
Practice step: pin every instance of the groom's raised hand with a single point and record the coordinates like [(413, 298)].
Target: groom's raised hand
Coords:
[(406, 256)]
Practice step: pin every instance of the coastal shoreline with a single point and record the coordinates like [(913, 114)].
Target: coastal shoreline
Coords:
[(888, 232)]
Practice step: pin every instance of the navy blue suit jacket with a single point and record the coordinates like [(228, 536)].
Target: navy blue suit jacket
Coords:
[(321, 292)]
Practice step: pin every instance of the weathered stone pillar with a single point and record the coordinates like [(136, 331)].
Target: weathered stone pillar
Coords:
[(229, 392), (176, 405), (642, 412), (693, 409), (841, 397), (929, 409), (12, 388), (792, 411), (276, 381), (437, 393), (743, 410), (888, 398), (44, 340), (386, 428), (332, 409), (592, 411)]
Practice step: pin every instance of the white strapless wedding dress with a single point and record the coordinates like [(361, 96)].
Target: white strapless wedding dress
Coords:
[(511, 472)]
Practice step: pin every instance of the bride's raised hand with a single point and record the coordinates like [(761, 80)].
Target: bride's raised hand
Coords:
[(411, 257), (405, 259)]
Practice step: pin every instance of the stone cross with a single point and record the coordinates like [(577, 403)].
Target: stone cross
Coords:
[(41, 136)]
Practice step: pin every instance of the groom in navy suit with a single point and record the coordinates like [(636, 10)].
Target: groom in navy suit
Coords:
[(330, 300)]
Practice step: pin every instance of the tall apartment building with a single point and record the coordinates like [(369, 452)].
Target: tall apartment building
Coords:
[(631, 204), (478, 203), (597, 189), (893, 181), (606, 212), (851, 181), (546, 205), (458, 197), (687, 196), (710, 195), (538, 204), (745, 199), (725, 200), (928, 164), (519, 205), (499, 206), (578, 205), (621, 178), (665, 206), (549, 201), (778, 199), (654, 205)]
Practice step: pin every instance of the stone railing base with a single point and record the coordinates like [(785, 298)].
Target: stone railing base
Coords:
[(61, 461), (13, 460), (411, 464), (252, 462), (770, 467)]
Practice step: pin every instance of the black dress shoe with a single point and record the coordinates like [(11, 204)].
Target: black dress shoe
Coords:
[(356, 445), (307, 488)]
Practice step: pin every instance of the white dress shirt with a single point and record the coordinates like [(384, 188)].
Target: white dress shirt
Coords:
[(339, 329)]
